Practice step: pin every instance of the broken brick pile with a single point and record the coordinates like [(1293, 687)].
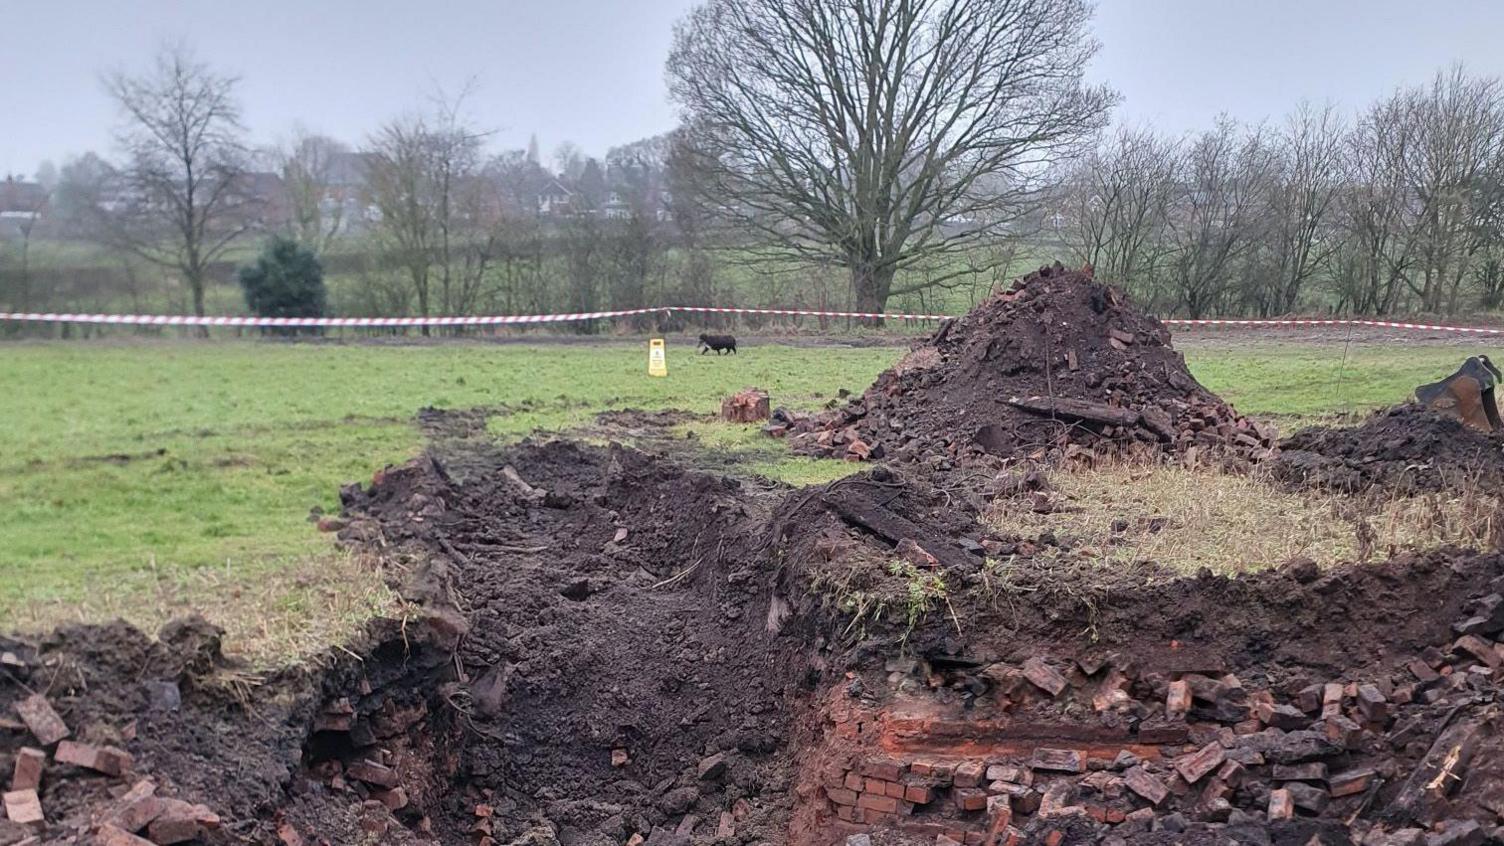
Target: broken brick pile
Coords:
[(1058, 361), (135, 815), (749, 405), (1409, 757)]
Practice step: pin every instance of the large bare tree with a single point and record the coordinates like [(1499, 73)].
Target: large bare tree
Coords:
[(882, 135), (178, 197)]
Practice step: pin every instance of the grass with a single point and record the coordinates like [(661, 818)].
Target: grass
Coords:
[(1186, 519), (1301, 382), (137, 480), (141, 479)]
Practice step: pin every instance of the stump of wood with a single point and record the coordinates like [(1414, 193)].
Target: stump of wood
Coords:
[(746, 406)]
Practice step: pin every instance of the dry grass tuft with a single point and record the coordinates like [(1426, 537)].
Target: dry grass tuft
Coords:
[(276, 616), (1187, 519)]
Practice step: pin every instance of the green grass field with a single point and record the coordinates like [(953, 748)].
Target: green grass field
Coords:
[(143, 479)]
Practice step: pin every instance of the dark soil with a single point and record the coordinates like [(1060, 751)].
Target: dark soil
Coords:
[(1056, 335), (1406, 449)]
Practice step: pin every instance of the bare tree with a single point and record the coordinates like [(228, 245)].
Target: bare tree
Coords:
[(1459, 129), (425, 178), (178, 202), (30, 201), (883, 135), (308, 163), (1379, 215), (1302, 204), (1218, 216), (1117, 202)]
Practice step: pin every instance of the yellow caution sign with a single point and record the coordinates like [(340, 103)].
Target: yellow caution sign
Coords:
[(657, 363)]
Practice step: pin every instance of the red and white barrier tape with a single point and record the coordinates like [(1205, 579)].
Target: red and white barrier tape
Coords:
[(308, 322), (522, 319)]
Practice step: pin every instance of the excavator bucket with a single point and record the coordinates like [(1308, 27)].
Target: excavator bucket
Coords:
[(1467, 394)]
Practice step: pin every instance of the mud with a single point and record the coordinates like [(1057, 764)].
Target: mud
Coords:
[(1058, 361), (1406, 449)]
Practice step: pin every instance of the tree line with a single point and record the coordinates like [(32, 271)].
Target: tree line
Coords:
[(831, 153), (1394, 208)]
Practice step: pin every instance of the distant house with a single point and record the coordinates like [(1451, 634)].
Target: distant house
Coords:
[(21, 206), (555, 200)]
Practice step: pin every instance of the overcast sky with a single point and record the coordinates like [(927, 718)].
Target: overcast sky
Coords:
[(591, 71)]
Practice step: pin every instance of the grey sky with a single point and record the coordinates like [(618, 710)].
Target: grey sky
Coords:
[(591, 71)]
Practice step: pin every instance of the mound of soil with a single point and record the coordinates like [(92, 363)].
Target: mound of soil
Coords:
[(1407, 449), (1058, 360)]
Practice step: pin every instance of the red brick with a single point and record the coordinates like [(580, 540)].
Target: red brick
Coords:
[(1193, 767), (1479, 649), (27, 774), (173, 826), (1309, 771), (970, 799), (1373, 705), (373, 773), (1178, 702), (1054, 838), (135, 814), (41, 720), (1343, 731), (1281, 806), (970, 774), (1309, 698), (1140, 781), (1286, 717), (876, 802), (1231, 773), (1058, 760), (1422, 671), (1044, 677), (1350, 782), (1332, 692), (109, 835), (922, 767), (883, 768), (841, 796), (876, 785), (113, 761), (394, 799), (919, 794), (23, 807), (1010, 773), (845, 812), (854, 782), (895, 789)]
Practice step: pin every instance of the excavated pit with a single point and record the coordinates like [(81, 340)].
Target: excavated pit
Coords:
[(708, 676)]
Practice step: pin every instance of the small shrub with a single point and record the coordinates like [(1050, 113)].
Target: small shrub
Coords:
[(286, 280)]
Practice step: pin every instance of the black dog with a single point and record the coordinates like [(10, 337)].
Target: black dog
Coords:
[(719, 343)]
